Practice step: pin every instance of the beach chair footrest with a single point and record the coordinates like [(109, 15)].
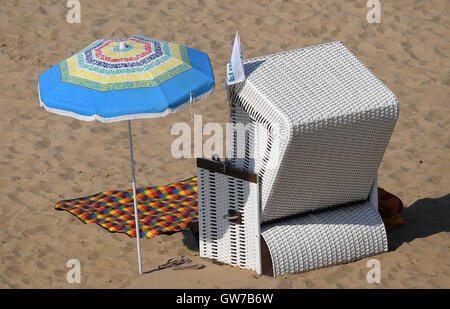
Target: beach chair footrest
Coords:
[(321, 239)]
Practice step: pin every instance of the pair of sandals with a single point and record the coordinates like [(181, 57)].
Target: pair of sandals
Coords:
[(181, 263)]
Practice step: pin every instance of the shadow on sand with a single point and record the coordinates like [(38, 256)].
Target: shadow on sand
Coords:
[(423, 218), (190, 237)]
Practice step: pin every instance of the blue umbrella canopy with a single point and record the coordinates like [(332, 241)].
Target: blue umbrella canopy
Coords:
[(126, 78)]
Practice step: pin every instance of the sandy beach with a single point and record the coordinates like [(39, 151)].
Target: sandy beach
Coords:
[(46, 158)]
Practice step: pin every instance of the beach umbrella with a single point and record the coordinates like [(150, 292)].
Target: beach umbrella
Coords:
[(124, 79)]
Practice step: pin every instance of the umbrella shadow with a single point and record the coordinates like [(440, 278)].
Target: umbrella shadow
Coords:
[(151, 271), (425, 217)]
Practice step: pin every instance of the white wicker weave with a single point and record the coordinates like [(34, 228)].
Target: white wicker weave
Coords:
[(221, 240), (329, 121), (329, 237), (318, 125)]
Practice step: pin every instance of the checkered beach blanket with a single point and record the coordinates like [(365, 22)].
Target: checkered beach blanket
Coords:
[(161, 209)]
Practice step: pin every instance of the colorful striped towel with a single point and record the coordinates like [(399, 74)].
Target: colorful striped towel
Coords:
[(161, 209)]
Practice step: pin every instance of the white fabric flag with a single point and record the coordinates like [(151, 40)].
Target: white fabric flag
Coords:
[(235, 69)]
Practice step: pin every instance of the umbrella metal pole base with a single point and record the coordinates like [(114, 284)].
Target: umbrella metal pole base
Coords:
[(136, 218)]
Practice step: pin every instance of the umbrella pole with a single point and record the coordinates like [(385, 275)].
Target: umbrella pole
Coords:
[(136, 218)]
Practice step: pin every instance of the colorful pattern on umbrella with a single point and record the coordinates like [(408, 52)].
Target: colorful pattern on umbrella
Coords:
[(161, 209), (143, 62)]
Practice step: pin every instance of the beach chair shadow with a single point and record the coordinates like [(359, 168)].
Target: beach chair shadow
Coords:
[(190, 237), (425, 217)]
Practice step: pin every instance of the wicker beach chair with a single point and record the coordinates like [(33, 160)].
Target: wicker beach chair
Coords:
[(298, 189)]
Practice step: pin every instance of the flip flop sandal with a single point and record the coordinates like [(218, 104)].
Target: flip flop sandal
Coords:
[(174, 262), (188, 265)]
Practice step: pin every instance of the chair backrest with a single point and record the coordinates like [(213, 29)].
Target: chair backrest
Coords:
[(321, 123)]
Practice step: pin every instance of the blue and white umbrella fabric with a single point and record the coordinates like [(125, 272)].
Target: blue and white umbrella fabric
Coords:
[(127, 78)]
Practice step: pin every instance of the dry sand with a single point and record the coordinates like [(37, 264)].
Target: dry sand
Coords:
[(45, 157)]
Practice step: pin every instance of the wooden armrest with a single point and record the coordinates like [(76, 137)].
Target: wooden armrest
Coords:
[(223, 168)]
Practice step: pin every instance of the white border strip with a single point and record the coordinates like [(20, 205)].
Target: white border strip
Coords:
[(124, 117)]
